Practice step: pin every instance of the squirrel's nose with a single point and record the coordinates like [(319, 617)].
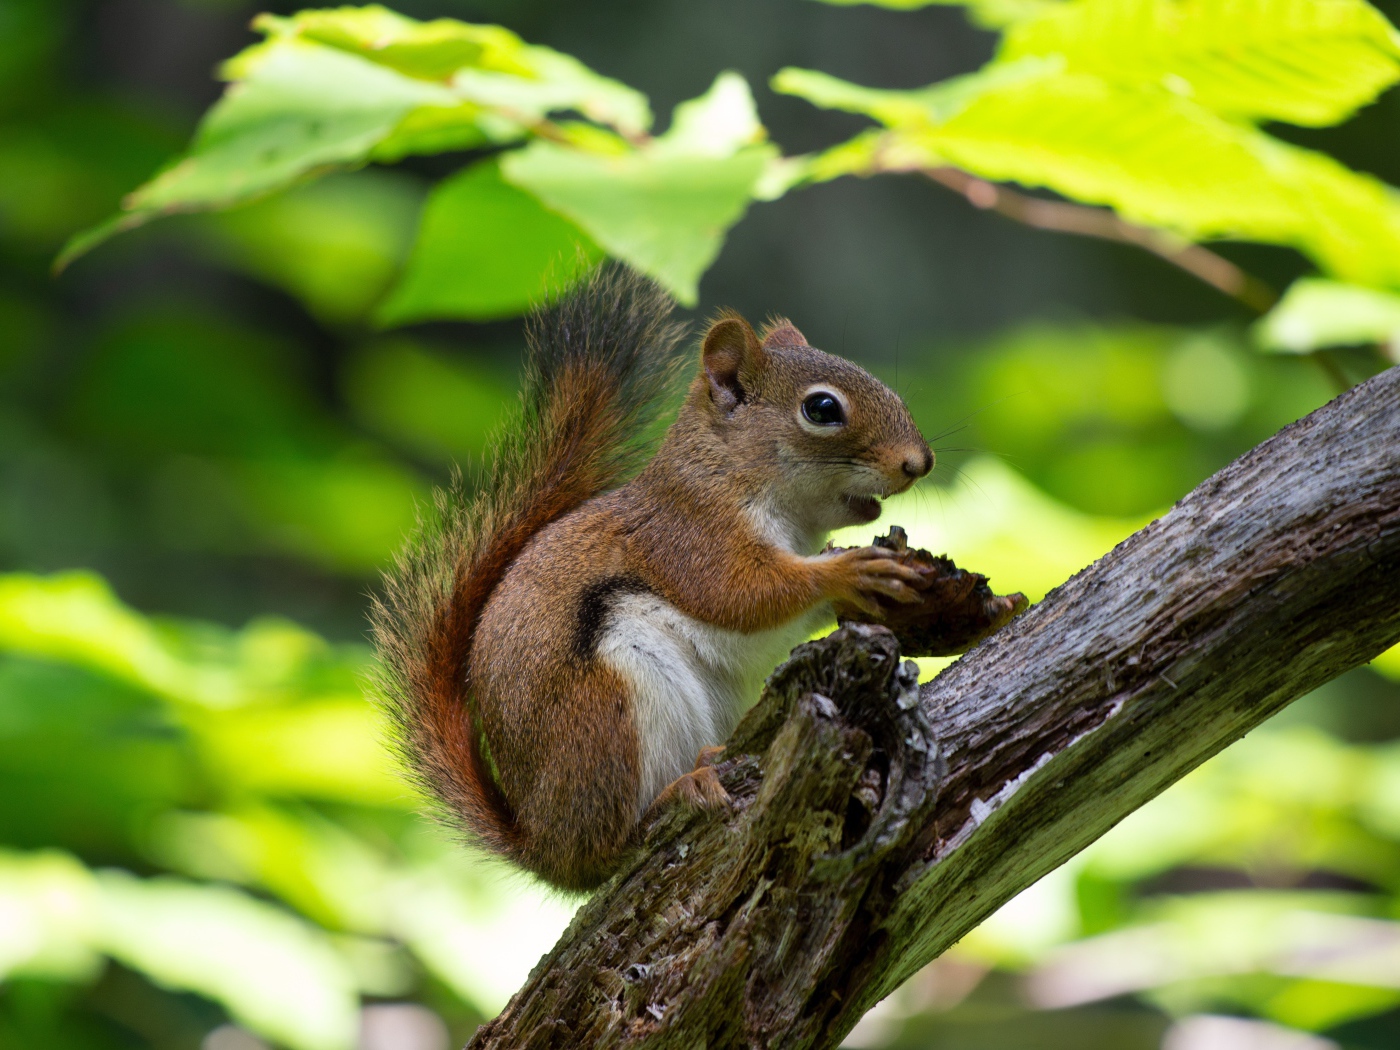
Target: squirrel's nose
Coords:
[(919, 463)]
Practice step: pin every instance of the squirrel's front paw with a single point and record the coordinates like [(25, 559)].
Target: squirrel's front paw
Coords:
[(862, 574)]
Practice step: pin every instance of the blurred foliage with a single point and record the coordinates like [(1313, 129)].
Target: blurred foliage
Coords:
[(232, 759), (200, 826)]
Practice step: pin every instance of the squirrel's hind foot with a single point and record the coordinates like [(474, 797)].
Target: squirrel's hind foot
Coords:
[(698, 789), (701, 789)]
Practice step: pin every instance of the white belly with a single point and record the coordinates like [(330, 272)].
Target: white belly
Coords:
[(690, 680)]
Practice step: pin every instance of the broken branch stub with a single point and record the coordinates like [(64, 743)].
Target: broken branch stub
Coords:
[(770, 904)]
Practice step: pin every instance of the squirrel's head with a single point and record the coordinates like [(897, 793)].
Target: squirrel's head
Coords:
[(838, 438)]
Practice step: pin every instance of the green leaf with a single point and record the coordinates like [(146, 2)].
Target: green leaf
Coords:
[(305, 108), (313, 864), (485, 250), (1157, 158), (331, 748), (934, 104), (137, 759), (476, 932), (665, 207), (485, 64), (347, 512), (337, 88), (719, 123), (1310, 62), (428, 50), (443, 129), (74, 617), (1317, 313), (665, 215)]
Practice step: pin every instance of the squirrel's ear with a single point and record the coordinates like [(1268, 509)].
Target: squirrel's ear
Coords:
[(782, 332), (733, 358)]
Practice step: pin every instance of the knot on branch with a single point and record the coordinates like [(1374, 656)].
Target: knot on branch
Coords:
[(840, 725)]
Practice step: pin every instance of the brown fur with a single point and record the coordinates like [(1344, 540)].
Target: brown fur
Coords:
[(499, 612)]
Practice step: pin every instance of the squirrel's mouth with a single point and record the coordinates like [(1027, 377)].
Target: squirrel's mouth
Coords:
[(866, 508)]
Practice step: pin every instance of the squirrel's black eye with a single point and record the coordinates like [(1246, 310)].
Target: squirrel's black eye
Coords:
[(823, 409)]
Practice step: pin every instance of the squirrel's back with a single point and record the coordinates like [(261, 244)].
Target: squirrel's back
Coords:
[(597, 364)]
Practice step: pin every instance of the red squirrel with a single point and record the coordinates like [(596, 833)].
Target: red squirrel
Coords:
[(565, 650)]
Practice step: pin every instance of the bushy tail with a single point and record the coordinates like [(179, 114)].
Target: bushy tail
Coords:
[(598, 362)]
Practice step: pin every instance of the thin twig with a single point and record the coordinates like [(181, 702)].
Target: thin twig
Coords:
[(1202, 263)]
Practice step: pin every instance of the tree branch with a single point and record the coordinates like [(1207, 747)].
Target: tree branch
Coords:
[(875, 824), (1061, 216)]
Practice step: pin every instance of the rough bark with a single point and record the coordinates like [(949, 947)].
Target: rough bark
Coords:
[(874, 824)]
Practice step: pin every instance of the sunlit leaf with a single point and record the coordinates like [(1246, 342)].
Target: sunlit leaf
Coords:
[(719, 123), (1314, 1005), (1243, 810), (74, 617), (273, 972), (1306, 61), (428, 50), (485, 250), (478, 932), (442, 129), (1157, 158), (665, 207), (664, 214), (48, 917), (137, 758), (485, 64), (1205, 936), (1388, 663), (1316, 313)]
